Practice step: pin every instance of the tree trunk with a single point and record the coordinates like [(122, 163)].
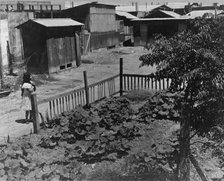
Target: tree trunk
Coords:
[(184, 165), (198, 168)]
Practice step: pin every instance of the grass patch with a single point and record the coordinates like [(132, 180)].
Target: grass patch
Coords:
[(139, 95)]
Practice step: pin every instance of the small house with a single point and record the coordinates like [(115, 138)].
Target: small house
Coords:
[(50, 45), (99, 21)]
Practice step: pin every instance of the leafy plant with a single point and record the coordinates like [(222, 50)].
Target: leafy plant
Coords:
[(193, 60), (102, 131)]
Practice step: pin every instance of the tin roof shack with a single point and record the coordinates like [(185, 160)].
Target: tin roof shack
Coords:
[(51, 45), (100, 24), (146, 28)]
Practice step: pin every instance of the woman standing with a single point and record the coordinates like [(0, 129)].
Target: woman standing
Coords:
[(27, 88)]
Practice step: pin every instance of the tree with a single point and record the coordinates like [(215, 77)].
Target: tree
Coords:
[(194, 61)]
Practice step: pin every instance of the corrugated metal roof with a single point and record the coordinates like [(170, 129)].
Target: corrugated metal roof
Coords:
[(200, 13), (125, 14), (159, 19), (143, 8), (171, 13), (57, 22)]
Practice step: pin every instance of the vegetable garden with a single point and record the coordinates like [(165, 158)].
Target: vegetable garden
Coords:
[(111, 132)]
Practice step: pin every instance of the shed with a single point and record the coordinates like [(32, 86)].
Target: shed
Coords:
[(50, 45), (100, 24)]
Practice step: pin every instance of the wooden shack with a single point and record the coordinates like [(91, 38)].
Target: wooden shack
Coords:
[(50, 45), (100, 29)]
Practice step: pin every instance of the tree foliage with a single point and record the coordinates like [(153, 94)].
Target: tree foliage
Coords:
[(194, 61)]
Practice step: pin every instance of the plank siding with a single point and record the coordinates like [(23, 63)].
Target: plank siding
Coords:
[(69, 51), (78, 51), (50, 52), (73, 49)]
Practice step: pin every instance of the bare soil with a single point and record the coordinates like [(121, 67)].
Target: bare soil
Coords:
[(99, 64)]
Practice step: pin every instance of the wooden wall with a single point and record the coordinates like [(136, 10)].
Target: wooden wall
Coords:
[(63, 48), (80, 14), (15, 39), (145, 31), (102, 19), (49, 50), (100, 28), (61, 53), (34, 47), (4, 37), (104, 39)]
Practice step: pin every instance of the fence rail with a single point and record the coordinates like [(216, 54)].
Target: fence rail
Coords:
[(70, 100), (56, 105), (134, 81), (105, 88)]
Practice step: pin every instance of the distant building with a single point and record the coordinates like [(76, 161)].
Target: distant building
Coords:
[(142, 10), (13, 13), (178, 7), (203, 10), (9, 20), (162, 14), (146, 28), (203, 13), (100, 28)]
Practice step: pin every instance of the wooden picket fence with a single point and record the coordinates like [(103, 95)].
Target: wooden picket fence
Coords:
[(135, 81), (88, 94), (70, 100)]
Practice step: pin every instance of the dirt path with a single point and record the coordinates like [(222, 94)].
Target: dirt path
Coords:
[(105, 63)]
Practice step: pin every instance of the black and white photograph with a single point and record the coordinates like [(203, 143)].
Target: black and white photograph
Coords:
[(111, 90)]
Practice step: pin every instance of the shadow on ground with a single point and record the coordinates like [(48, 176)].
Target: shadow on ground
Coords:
[(24, 121)]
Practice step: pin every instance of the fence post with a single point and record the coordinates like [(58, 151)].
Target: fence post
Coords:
[(35, 113), (86, 88), (1, 71), (121, 76), (10, 61)]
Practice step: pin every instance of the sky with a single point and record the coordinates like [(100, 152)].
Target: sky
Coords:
[(129, 2), (121, 2)]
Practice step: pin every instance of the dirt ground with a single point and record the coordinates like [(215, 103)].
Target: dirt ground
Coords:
[(99, 64)]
